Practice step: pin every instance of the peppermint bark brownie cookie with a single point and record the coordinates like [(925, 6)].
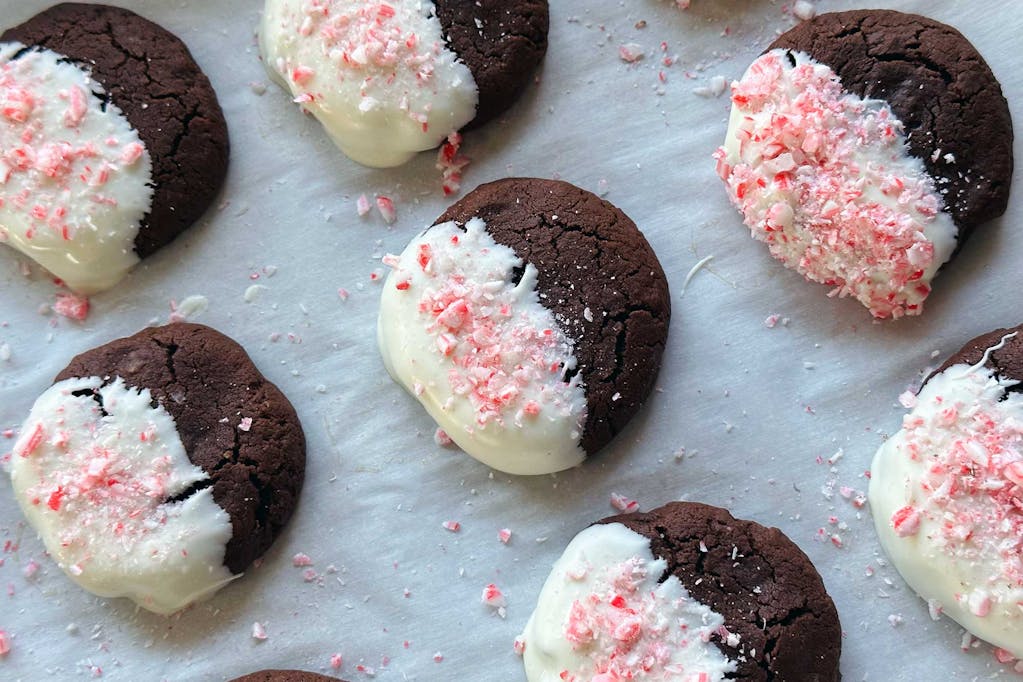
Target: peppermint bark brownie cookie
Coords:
[(863, 148), (159, 466), (684, 592), (389, 79), (113, 141), (529, 321), (946, 491), (285, 676)]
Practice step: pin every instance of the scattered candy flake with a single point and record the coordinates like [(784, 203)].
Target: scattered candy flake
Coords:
[(31, 568), (441, 438), (362, 205), (245, 424), (771, 321), (895, 620), (72, 306), (1001, 655), (934, 609), (451, 164), (624, 504), (438, 657), (190, 307), (804, 10), (343, 294), (301, 560), (492, 596), (519, 645), (5, 643), (258, 631), (387, 210), (631, 52), (336, 661), (453, 526), (504, 535)]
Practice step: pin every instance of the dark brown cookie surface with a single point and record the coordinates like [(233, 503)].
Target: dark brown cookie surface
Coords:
[(149, 74), (940, 88), (760, 581), (599, 277), (501, 42), (285, 676), (208, 384), (1007, 361)]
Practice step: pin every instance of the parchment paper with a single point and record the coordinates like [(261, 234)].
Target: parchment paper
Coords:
[(745, 416)]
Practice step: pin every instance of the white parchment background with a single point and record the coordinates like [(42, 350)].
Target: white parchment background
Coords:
[(755, 408)]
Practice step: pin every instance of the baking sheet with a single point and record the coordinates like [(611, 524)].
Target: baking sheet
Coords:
[(774, 423)]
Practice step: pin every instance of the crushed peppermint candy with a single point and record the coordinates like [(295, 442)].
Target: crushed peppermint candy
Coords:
[(441, 438), (72, 306), (258, 631), (624, 504), (453, 526), (504, 535), (451, 164), (823, 178), (387, 210), (494, 598), (5, 643)]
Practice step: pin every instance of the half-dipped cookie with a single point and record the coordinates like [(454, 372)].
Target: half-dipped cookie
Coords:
[(683, 592), (946, 491), (529, 321), (159, 466), (389, 79), (112, 141), (863, 148)]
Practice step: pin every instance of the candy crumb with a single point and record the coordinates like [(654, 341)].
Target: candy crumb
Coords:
[(441, 438), (387, 210), (624, 504), (631, 52), (72, 306), (336, 661), (362, 205), (504, 535), (453, 526), (804, 10), (5, 643), (301, 559), (258, 631)]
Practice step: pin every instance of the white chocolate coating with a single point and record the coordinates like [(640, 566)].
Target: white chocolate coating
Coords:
[(378, 76), (946, 494), (480, 352), (825, 179), (602, 616), (95, 487), (75, 179)]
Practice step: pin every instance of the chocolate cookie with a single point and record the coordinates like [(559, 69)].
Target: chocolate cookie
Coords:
[(172, 446), (863, 148), (529, 321), (950, 104), (946, 490), (501, 42), (1006, 360), (387, 81), (149, 75), (284, 676), (741, 601)]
